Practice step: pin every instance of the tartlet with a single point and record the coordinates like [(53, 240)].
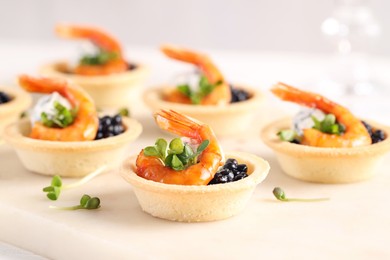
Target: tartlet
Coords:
[(196, 203), (324, 164), (111, 91), (11, 111), (226, 120), (69, 159)]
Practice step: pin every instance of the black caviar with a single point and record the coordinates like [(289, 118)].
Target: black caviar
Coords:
[(109, 126), (131, 66), (4, 98), (376, 135), (231, 171), (238, 95)]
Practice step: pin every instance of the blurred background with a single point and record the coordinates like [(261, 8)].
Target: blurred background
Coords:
[(336, 46), (267, 25)]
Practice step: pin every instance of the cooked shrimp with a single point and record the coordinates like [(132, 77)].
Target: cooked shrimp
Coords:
[(86, 123), (220, 95), (152, 168), (102, 40), (355, 133)]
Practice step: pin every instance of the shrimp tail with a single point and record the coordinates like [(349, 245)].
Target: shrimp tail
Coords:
[(178, 124), (200, 60), (97, 36), (46, 85)]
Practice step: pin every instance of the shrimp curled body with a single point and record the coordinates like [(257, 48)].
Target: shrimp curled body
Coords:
[(86, 123), (152, 168), (219, 96), (355, 133)]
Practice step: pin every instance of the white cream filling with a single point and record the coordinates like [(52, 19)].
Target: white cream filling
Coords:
[(46, 104)]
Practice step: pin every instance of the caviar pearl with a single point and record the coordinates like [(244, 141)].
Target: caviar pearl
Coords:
[(231, 171), (376, 135), (4, 98), (109, 126), (238, 95)]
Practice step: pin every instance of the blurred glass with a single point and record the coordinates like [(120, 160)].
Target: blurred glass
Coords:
[(352, 28)]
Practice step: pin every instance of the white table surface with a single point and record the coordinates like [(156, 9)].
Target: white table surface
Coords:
[(354, 223)]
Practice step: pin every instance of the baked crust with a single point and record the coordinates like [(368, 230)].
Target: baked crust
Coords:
[(196, 203), (69, 159), (325, 165), (111, 91), (240, 114)]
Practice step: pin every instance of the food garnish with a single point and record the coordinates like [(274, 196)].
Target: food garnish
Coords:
[(54, 190), (205, 88), (187, 167), (86, 202), (231, 171), (62, 117), (85, 124), (178, 155), (4, 97), (108, 58), (281, 195), (100, 58), (340, 128), (213, 90)]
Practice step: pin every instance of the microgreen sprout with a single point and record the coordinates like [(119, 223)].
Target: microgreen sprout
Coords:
[(63, 116), (124, 112), (287, 135), (54, 190), (205, 88), (281, 195), (100, 58), (86, 202), (177, 155), (328, 125)]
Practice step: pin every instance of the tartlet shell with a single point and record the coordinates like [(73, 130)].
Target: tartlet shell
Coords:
[(325, 165), (196, 203), (108, 91), (226, 120), (69, 159), (11, 111)]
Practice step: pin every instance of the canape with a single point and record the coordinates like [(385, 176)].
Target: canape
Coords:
[(189, 180), (64, 135), (206, 95), (12, 104), (337, 148), (109, 79)]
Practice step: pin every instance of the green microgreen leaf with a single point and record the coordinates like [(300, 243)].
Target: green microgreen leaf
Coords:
[(178, 156), (161, 146), (184, 89), (63, 117), (86, 202), (176, 163), (151, 151), (124, 112), (287, 135), (281, 195), (328, 125), (202, 146), (176, 146), (56, 181), (100, 58), (54, 190), (204, 88)]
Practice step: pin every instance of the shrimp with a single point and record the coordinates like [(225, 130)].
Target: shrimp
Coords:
[(220, 95), (355, 133), (152, 168), (86, 123), (101, 39)]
